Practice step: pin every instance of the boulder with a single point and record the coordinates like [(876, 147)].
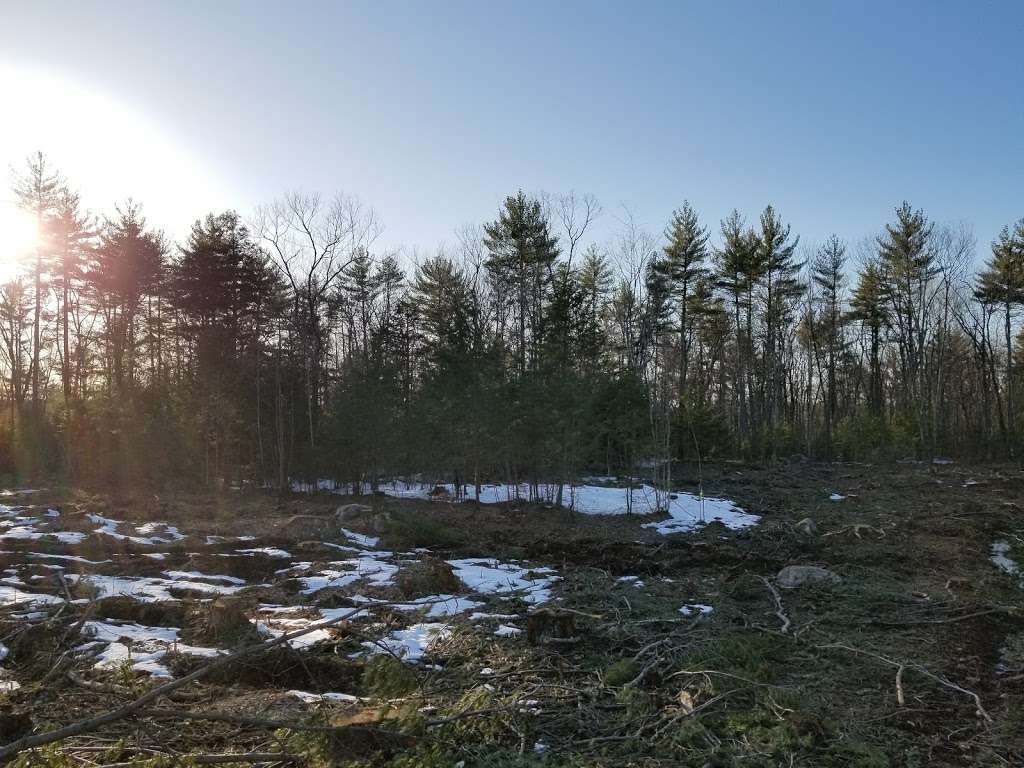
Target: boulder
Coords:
[(807, 527), (793, 576)]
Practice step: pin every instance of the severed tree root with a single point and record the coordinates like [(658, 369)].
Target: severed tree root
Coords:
[(779, 610), (857, 528)]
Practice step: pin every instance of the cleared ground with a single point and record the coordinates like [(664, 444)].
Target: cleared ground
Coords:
[(517, 634)]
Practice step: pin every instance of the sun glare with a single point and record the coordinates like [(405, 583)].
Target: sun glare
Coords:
[(18, 236), (106, 149)]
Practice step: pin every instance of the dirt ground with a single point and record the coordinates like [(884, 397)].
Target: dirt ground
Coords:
[(914, 657)]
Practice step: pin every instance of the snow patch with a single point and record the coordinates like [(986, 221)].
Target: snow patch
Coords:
[(490, 576), (693, 609), (410, 644)]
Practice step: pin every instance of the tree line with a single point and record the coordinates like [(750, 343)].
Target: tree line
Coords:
[(284, 346)]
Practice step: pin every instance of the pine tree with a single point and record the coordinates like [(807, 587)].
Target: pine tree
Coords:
[(129, 264), (778, 271), (681, 266), (37, 192), (870, 306), (738, 269), (70, 234), (521, 251), (827, 273), (908, 265), (1002, 283)]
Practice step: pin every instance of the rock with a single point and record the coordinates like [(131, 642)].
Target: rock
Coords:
[(793, 576), (807, 527), (347, 512)]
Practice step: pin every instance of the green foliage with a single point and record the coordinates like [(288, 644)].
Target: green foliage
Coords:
[(405, 529), (752, 655), (701, 430), (873, 438), (385, 677), (620, 672)]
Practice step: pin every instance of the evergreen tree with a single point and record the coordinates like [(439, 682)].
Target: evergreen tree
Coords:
[(869, 305), (1002, 283), (521, 253), (909, 267), (778, 270), (828, 275), (681, 266), (37, 192)]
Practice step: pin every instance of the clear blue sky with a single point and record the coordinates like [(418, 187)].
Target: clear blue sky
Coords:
[(433, 111)]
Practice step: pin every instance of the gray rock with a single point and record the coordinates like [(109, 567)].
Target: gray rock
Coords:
[(807, 527), (793, 576), (347, 512)]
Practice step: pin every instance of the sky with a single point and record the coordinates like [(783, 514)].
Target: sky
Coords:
[(433, 112)]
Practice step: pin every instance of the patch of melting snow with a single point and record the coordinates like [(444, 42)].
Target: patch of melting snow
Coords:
[(10, 595), (316, 698), (687, 510), (692, 609), (274, 621), (360, 539), (1000, 557), (177, 575), (436, 606), (168, 533), (148, 589), (506, 630), (410, 644), (294, 568), (212, 539), (268, 551), (27, 531), (369, 566), (636, 581), (144, 648), (487, 575)]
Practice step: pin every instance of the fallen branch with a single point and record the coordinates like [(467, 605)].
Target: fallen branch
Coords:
[(254, 722), (241, 757), (754, 683), (779, 610), (952, 620), (92, 723), (901, 666), (92, 685)]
